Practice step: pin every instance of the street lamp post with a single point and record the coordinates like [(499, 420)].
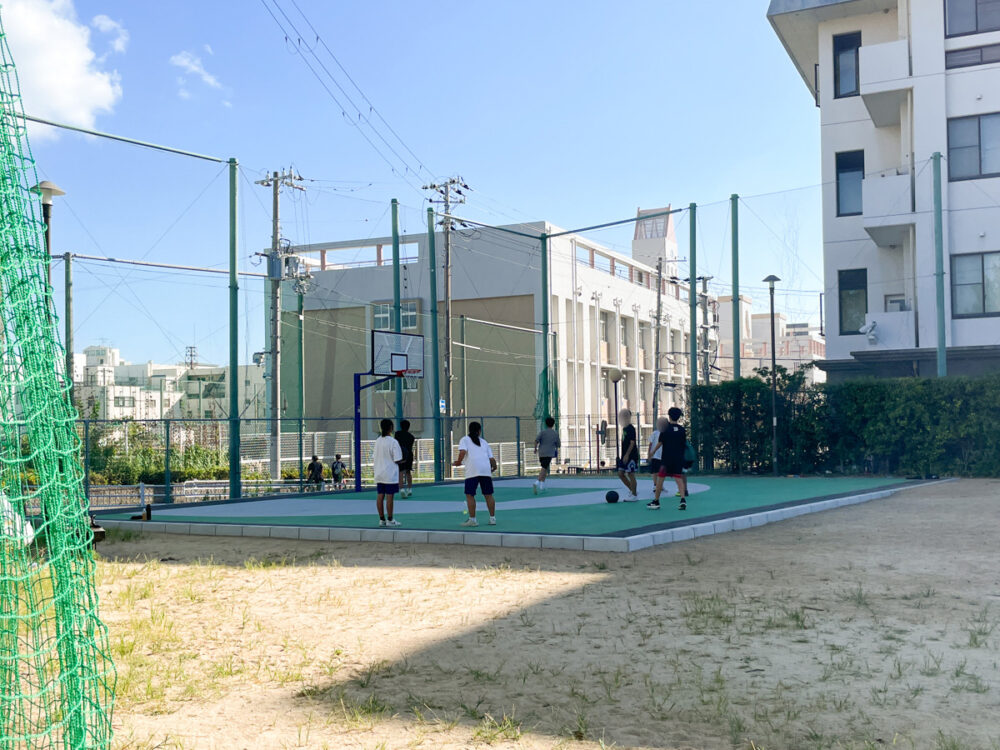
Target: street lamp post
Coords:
[(774, 382), (47, 190), (615, 376)]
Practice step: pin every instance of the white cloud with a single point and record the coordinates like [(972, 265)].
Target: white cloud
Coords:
[(208, 49), (191, 63), (61, 77), (106, 25)]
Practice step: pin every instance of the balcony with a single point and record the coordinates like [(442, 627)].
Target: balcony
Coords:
[(887, 207), (885, 78)]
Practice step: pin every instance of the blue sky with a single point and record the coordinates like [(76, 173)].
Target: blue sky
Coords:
[(574, 112)]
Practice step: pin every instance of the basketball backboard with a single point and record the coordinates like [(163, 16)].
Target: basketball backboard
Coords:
[(394, 353)]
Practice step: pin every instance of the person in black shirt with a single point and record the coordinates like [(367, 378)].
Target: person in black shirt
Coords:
[(628, 464), (314, 474), (673, 441), (405, 440)]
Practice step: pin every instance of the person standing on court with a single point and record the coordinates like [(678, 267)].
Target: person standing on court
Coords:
[(656, 456), (673, 441), (405, 439), (546, 448), (628, 464), (387, 456), (477, 456), (314, 474)]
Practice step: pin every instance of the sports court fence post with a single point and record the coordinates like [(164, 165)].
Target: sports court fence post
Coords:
[(166, 462), (302, 457), (86, 459), (517, 442), (235, 481), (357, 432), (397, 310), (942, 351), (546, 388)]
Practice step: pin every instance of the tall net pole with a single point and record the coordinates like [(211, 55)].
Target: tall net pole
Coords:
[(56, 675)]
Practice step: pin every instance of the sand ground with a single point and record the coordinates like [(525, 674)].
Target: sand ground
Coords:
[(865, 627)]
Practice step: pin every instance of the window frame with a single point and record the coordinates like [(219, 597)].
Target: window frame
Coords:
[(857, 66), (982, 283), (840, 298), (977, 30), (837, 171), (980, 175), (389, 386), (408, 307), (980, 49)]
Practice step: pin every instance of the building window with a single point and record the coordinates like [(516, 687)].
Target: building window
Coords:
[(974, 146), (850, 178), (895, 303), (845, 65), (971, 16), (853, 286), (604, 327), (382, 316), (389, 386), (963, 58), (975, 285), (125, 402)]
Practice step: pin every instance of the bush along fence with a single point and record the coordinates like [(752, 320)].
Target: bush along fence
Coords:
[(908, 426)]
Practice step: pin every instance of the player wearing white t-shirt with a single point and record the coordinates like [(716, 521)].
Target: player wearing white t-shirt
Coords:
[(477, 456), (387, 456)]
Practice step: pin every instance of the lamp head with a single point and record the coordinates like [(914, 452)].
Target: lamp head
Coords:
[(47, 189), (771, 280), (614, 375)]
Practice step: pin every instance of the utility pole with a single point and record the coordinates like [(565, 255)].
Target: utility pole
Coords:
[(450, 191), (275, 272), (705, 365), (656, 341)]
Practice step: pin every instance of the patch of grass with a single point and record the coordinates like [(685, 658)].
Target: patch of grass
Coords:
[(490, 730), (856, 596)]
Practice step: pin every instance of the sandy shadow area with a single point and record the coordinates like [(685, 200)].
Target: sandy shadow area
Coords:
[(861, 627)]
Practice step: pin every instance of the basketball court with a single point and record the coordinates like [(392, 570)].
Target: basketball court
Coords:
[(571, 514)]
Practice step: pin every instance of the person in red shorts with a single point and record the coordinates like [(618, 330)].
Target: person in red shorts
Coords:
[(673, 441)]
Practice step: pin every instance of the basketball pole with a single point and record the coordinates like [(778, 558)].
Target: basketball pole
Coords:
[(435, 349), (397, 310)]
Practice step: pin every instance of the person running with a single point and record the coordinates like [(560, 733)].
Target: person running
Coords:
[(477, 456), (387, 456), (656, 453), (405, 440), (628, 464), (546, 448), (314, 474), (673, 441), (337, 470)]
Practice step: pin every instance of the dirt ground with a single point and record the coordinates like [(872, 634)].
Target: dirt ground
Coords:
[(865, 627)]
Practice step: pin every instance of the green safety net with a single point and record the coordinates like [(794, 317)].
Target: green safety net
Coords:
[(56, 676), (547, 403)]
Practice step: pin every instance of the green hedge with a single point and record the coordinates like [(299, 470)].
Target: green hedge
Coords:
[(913, 426)]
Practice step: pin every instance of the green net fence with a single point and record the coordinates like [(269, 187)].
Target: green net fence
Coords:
[(56, 678)]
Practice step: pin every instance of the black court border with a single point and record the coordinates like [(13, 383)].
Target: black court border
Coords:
[(635, 531)]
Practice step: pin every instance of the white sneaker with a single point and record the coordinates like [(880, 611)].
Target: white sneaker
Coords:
[(631, 499), (381, 523), (534, 487), (471, 522), (393, 522), (493, 520)]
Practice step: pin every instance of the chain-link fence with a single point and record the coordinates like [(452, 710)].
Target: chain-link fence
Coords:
[(134, 462)]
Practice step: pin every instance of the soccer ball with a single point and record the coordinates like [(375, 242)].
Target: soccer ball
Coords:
[(611, 497)]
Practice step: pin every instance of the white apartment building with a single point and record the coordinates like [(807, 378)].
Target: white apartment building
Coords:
[(796, 344), (602, 315), (113, 388), (897, 81)]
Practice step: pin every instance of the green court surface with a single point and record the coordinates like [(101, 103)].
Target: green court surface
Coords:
[(572, 506)]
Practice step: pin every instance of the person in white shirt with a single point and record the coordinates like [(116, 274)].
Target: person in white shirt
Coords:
[(387, 456), (655, 459), (477, 456)]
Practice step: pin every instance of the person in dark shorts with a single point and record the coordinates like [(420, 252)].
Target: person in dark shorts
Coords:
[(314, 474), (656, 452), (387, 456), (405, 440), (628, 464), (546, 448), (337, 470), (673, 441), (477, 456)]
